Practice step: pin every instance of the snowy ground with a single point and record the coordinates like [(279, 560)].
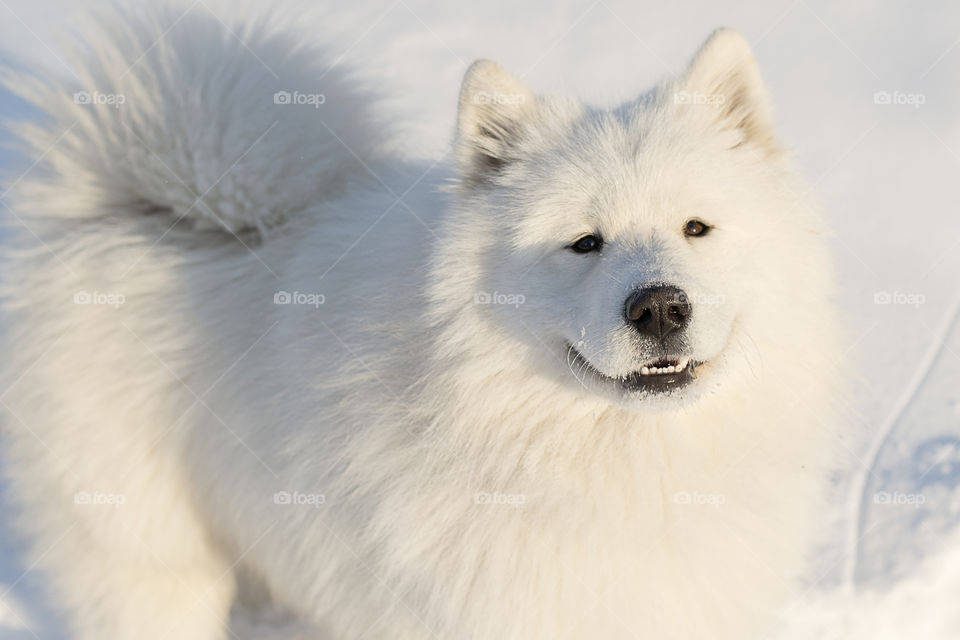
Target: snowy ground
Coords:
[(868, 96)]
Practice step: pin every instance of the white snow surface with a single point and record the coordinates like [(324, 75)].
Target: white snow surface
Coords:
[(867, 95)]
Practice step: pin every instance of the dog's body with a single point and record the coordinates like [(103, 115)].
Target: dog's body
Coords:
[(398, 411)]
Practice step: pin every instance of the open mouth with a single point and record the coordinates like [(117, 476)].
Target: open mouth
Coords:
[(660, 376)]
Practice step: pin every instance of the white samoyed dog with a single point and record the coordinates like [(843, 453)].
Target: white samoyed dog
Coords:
[(265, 377)]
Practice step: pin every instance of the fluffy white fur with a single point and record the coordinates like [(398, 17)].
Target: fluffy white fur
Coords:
[(456, 478)]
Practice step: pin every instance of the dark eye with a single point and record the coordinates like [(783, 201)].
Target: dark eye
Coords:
[(586, 244), (695, 228)]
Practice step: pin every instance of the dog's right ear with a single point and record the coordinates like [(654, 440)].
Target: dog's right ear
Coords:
[(725, 76), (494, 109)]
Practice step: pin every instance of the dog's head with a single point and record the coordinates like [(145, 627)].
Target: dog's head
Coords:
[(631, 246)]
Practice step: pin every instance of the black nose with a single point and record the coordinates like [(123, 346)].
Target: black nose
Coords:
[(656, 311)]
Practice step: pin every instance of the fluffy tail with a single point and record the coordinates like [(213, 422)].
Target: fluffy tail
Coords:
[(232, 128)]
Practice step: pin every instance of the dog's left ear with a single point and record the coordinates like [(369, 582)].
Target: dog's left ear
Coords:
[(724, 81), (495, 108)]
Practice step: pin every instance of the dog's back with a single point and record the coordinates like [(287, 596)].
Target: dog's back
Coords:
[(159, 177)]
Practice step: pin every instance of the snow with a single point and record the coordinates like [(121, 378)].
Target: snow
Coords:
[(920, 605), (888, 564)]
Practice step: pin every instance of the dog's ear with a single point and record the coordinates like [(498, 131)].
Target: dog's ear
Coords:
[(724, 82), (494, 109)]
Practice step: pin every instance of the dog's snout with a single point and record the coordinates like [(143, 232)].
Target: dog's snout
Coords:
[(658, 311)]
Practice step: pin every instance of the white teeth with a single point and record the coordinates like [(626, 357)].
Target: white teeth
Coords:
[(655, 371)]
